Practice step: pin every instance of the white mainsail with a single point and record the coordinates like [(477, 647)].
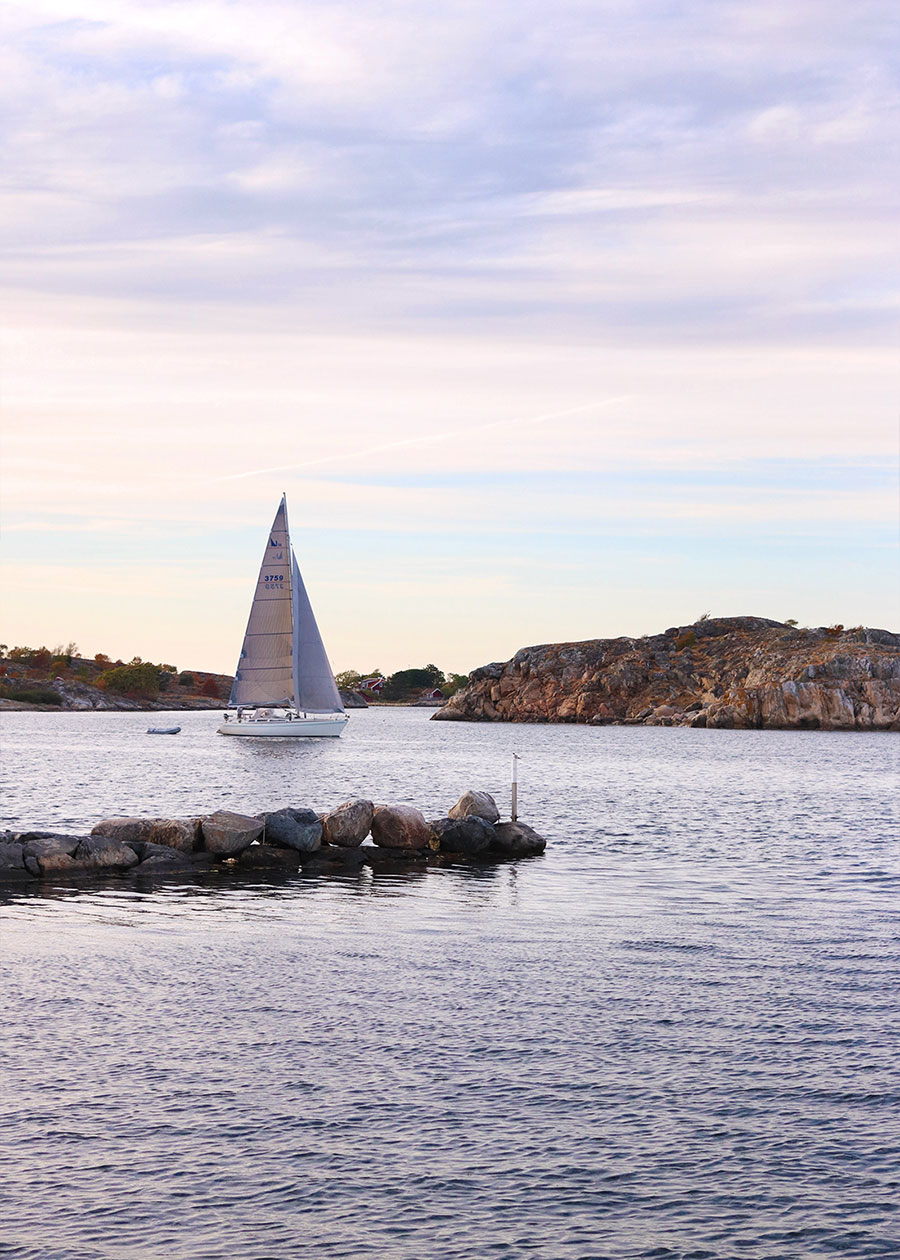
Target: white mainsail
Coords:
[(266, 667), (283, 660)]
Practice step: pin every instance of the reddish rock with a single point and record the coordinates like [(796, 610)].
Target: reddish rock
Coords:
[(349, 824), (401, 827), (722, 672)]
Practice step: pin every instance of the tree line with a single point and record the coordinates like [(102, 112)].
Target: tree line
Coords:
[(405, 684)]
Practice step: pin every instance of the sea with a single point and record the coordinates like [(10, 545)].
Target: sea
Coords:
[(673, 1036)]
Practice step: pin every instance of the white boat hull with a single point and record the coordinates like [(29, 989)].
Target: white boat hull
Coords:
[(281, 728)]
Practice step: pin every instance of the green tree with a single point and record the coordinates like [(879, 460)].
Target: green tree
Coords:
[(348, 679), (406, 682), (140, 681)]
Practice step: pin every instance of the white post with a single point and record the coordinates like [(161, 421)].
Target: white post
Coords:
[(515, 786)]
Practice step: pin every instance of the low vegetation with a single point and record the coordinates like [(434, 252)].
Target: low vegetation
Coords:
[(23, 669)]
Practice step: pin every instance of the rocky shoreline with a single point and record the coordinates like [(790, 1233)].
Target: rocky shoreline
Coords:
[(723, 672), (355, 834)]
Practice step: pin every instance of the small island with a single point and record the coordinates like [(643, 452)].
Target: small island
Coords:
[(720, 672)]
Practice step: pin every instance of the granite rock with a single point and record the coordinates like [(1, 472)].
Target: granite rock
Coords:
[(298, 829), (227, 834), (720, 672), (476, 805), (349, 824), (401, 827)]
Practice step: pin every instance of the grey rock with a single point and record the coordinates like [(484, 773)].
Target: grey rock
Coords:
[(160, 855), (63, 843), (262, 857), (12, 857), (515, 839), (381, 858), (476, 805), (104, 853), (401, 827), (52, 854), (349, 824), (12, 863), (469, 835), (337, 860), (226, 834), (298, 829)]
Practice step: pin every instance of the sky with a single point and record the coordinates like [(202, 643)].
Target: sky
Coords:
[(554, 322)]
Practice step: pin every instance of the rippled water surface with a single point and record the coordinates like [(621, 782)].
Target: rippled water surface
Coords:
[(674, 1035)]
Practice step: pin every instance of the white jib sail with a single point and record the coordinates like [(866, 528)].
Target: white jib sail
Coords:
[(314, 686), (265, 672)]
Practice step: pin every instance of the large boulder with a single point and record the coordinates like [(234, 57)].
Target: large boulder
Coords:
[(176, 833), (299, 829), (104, 853), (401, 827), (51, 854), (160, 857), (515, 839), (476, 805), (126, 829), (226, 834), (465, 836), (349, 824)]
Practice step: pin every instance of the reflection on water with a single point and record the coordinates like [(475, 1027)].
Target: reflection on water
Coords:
[(668, 1037)]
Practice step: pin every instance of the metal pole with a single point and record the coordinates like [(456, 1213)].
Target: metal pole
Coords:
[(515, 786)]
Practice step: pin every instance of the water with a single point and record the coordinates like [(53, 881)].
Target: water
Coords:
[(674, 1035)]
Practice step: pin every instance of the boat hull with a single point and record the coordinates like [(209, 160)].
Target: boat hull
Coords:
[(281, 728)]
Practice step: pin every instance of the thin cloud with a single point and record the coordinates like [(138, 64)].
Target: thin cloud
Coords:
[(426, 439)]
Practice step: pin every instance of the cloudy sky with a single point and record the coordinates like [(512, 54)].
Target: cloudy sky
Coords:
[(554, 321)]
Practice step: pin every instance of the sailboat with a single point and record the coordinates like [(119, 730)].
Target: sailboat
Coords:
[(283, 685)]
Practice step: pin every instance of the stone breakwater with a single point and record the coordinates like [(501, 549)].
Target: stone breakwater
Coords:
[(355, 834), (724, 672)]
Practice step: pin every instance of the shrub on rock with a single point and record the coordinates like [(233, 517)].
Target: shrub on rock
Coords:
[(477, 805), (226, 834), (349, 824), (401, 827), (298, 829), (465, 836)]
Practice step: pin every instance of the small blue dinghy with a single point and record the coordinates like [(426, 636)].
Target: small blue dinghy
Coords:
[(163, 730)]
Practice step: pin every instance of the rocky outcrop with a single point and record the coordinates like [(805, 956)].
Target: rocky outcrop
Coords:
[(723, 672)]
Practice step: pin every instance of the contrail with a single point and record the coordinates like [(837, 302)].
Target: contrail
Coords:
[(425, 438)]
